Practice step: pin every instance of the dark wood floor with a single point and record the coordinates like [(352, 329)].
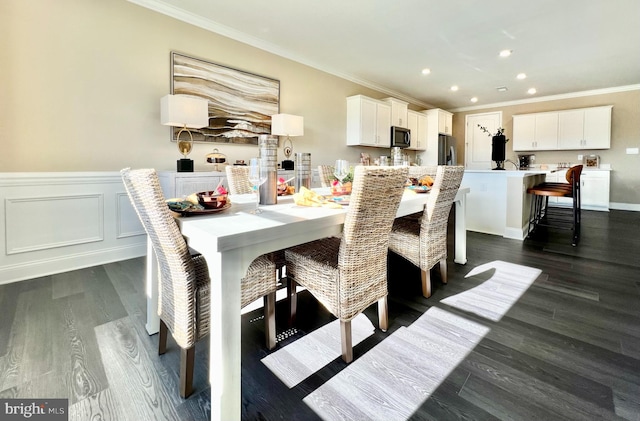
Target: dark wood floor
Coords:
[(569, 348)]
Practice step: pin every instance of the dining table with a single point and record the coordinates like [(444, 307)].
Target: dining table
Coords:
[(230, 240)]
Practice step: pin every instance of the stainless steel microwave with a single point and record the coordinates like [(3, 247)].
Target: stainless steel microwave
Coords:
[(400, 137)]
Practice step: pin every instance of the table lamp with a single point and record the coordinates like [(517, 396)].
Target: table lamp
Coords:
[(290, 126), (186, 112)]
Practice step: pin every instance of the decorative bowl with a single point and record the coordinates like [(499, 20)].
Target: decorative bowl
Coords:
[(212, 199)]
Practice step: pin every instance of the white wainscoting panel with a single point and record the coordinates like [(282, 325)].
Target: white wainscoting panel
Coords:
[(60, 221), (127, 220), (37, 223)]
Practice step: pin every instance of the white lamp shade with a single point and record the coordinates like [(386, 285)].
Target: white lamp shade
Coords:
[(287, 125), (182, 110)]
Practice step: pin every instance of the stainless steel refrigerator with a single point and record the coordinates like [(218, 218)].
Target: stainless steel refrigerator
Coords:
[(447, 150)]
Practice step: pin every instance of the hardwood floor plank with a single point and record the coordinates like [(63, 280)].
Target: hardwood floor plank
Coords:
[(87, 375), (101, 406), (133, 379), (502, 404)]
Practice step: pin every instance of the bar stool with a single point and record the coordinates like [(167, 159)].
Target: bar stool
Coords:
[(540, 215)]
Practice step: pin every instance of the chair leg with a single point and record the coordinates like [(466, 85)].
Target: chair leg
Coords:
[(383, 314), (187, 357), (426, 283), (270, 319), (345, 336), (162, 338), (293, 301), (443, 270)]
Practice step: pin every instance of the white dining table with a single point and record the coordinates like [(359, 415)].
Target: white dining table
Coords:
[(229, 241)]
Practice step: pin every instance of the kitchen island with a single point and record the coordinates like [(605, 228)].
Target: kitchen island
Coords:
[(498, 202)]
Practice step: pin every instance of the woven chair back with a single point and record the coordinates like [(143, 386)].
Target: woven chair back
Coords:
[(362, 259), (177, 273), (325, 173), (238, 179), (433, 229), (421, 171)]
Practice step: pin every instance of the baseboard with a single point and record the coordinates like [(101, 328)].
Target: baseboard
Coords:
[(35, 269), (515, 233), (625, 206)]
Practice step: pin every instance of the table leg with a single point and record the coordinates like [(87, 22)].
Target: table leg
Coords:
[(460, 256), (153, 321)]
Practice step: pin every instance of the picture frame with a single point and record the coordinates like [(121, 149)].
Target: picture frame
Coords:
[(240, 103)]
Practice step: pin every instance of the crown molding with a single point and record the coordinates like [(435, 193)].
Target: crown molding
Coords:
[(215, 27), (550, 98)]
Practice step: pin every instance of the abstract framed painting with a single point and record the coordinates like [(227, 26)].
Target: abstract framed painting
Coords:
[(240, 103)]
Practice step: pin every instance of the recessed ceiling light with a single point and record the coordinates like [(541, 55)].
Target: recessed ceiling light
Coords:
[(474, 99), (502, 89), (505, 53), (532, 91), (426, 71), (454, 88), (521, 76)]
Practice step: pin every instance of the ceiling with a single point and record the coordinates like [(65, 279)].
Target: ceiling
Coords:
[(563, 46)]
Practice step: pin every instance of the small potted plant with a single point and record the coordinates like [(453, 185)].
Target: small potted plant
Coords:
[(498, 146)]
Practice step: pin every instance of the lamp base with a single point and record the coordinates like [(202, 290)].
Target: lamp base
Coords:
[(287, 164), (184, 165)]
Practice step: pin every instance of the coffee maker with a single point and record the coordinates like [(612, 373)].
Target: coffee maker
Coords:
[(525, 161)]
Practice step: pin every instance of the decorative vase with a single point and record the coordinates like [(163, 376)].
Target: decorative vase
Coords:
[(498, 154)]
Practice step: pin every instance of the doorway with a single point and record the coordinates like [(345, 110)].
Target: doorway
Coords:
[(477, 143)]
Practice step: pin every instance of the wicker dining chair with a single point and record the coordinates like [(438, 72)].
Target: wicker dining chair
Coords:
[(349, 273), (184, 289), (238, 181), (326, 175), (423, 241)]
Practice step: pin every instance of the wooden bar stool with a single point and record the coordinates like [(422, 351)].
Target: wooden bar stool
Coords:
[(540, 215)]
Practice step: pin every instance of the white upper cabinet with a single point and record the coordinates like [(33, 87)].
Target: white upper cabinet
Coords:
[(534, 132), (368, 122), (443, 118), (546, 136), (587, 128), (418, 125), (399, 111)]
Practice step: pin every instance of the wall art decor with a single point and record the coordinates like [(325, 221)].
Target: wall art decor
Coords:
[(240, 103)]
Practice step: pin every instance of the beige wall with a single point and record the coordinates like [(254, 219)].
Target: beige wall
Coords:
[(625, 133), (83, 81)]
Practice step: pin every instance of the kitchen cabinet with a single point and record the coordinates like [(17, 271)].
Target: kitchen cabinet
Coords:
[(440, 121), (417, 123), (535, 132), (399, 111), (368, 122), (587, 128), (594, 189), (584, 128)]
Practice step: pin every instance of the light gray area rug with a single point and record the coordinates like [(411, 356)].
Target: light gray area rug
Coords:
[(298, 360)]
